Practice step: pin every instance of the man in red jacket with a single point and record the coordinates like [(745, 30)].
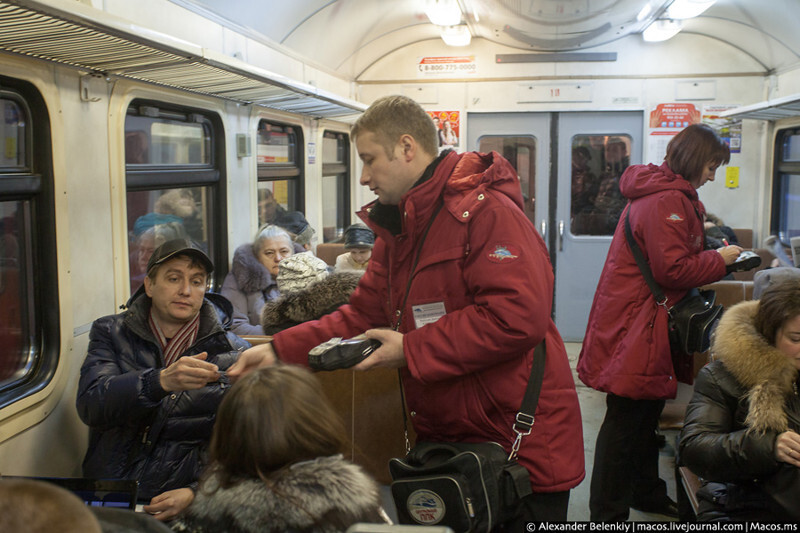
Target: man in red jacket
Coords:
[(459, 292)]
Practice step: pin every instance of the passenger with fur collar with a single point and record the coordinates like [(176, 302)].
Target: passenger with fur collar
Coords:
[(742, 424), (325, 494), (252, 279), (275, 463), (315, 301)]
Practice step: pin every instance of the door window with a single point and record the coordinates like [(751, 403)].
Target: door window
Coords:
[(520, 151), (598, 162)]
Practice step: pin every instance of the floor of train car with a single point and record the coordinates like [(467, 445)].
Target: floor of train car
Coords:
[(593, 408)]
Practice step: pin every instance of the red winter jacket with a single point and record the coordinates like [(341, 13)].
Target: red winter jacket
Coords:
[(626, 348), (467, 372)]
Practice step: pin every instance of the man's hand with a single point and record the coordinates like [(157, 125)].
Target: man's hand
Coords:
[(188, 373), (251, 359), (167, 505), (389, 355)]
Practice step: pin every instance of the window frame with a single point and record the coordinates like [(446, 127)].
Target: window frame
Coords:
[(152, 177), (294, 172), (34, 185), (340, 168), (781, 168)]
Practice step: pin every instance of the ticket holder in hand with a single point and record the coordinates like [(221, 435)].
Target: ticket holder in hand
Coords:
[(339, 353), (747, 260)]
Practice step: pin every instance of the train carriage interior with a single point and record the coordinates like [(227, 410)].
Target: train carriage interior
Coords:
[(130, 123)]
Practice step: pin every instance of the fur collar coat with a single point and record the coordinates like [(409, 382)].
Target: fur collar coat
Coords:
[(767, 374), (328, 494), (248, 286), (316, 300), (742, 401)]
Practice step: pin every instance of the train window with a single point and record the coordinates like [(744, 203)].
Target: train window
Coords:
[(335, 185), (598, 162), (280, 175), (521, 153), (29, 335), (173, 167), (12, 156), (786, 188)]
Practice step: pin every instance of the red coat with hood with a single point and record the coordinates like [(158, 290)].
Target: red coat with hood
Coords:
[(467, 371), (626, 348)]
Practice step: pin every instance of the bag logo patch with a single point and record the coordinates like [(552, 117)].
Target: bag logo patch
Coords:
[(425, 507), (674, 217), (503, 253)]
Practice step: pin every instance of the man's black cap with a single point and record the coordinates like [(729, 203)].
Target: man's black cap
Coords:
[(170, 249)]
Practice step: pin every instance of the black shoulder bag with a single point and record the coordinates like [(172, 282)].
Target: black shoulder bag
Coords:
[(466, 486), (691, 320)]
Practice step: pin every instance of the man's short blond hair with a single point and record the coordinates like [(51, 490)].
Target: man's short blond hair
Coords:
[(35, 506), (391, 117)]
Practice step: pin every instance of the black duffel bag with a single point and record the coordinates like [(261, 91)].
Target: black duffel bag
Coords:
[(465, 486), (692, 320)]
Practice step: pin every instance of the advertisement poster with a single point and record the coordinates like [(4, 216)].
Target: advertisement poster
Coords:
[(446, 66), (729, 129), (448, 124), (666, 120)]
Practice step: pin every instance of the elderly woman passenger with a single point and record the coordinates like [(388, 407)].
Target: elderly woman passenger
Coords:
[(251, 282)]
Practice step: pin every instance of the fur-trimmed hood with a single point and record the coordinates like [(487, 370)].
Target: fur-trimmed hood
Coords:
[(317, 299), (250, 274), (760, 367), (325, 495)]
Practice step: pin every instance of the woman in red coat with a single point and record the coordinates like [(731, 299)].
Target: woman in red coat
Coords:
[(626, 350)]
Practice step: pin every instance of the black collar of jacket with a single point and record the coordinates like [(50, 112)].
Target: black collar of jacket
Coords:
[(388, 216)]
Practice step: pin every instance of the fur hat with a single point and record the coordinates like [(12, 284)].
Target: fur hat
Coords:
[(358, 236), (295, 223), (297, 271)]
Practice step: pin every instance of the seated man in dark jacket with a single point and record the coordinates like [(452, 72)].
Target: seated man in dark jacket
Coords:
[(153, 379)]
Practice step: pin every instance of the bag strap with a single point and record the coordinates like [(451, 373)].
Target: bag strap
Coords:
[(396, 326), (644, 267), (523, 424)]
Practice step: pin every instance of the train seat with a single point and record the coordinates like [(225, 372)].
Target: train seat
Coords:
[(744, 236), (329, 251)]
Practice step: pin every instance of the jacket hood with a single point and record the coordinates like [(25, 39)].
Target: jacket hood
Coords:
[(642, 180), (250, 274), (318, 299), (760, 367), (476, 170)]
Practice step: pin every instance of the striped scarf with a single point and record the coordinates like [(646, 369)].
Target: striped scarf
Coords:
[(174, 347)]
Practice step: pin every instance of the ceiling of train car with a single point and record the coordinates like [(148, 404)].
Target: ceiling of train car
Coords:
[(349, 35)]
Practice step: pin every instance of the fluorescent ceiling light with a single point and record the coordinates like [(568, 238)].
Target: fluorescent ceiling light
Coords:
[(644, 12), (686, 9), (661, 30), (443, 12), (456, 35)]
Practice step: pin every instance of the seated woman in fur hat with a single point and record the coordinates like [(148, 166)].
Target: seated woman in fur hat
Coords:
[(742, 428), (307, 292), (276, 462)]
